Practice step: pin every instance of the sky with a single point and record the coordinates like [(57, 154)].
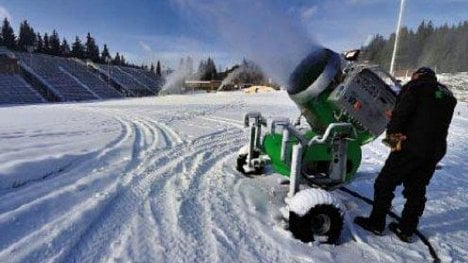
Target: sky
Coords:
[(149, 30)]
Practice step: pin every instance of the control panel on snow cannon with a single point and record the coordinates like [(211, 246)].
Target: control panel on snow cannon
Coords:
[(365, 99), (327, 92)]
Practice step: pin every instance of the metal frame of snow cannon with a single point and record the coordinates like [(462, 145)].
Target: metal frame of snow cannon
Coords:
[(337, 169), (252, 163), (337, 135)]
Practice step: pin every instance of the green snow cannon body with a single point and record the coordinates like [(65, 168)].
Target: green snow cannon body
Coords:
[(345, 107)]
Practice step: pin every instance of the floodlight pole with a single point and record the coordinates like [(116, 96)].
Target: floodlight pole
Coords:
[(397, 36)]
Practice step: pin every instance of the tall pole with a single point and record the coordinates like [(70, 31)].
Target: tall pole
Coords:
[(397, 36)]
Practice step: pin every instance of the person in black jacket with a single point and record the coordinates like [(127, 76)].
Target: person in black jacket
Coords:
[(417, 134)]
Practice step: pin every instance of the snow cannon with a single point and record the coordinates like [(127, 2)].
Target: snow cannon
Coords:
[(346, 105)]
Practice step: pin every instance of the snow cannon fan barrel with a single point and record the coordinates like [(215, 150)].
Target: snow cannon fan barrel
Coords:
[(325, 94), (310, 85)]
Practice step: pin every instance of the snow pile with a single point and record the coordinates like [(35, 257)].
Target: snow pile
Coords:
[(458, 84), (304, 200)]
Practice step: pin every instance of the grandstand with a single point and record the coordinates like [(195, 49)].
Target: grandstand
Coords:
[(47, 69), (15, 90), (34, 78), (77, 68), (124, 79), (145, 77)]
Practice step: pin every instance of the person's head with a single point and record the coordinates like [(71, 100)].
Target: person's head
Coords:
[(424, 73)]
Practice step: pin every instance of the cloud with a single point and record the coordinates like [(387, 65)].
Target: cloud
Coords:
[(4, 13), (308, 12), (170, 49), (145, 46)]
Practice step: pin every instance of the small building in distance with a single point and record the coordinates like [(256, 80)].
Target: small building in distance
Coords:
[(209, 85)]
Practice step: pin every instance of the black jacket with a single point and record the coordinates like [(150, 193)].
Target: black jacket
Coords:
[(423, 112)]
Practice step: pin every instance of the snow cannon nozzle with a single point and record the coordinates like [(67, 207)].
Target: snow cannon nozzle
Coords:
[(319, 66), (317, 74)]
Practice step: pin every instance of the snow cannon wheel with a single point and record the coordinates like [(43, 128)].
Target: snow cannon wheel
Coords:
[(315, 212), (242, 160)]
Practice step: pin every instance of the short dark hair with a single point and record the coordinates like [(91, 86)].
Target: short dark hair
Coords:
[(425, 71)]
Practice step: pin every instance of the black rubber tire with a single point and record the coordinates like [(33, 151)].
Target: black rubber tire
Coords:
[(242, 158), (305, 227)]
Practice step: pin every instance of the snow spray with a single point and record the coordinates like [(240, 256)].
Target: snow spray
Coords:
[(258, 30)]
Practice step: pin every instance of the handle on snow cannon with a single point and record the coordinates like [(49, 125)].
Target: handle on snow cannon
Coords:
[(334, 126), (256, 116)]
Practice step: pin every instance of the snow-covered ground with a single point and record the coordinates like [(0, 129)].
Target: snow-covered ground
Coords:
[(153, 180), (457, 82)]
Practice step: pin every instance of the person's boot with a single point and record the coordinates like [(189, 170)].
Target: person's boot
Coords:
[(369, 225), (402, 235)]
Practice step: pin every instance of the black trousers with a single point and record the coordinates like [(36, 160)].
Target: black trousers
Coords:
[(414, 173)]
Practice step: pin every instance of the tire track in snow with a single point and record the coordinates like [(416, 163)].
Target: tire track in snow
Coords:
[(34, 192), (118, 214), (194, 231), (176, 207), (70, 218)]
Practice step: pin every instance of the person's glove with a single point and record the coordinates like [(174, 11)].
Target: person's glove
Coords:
[(394, 141)]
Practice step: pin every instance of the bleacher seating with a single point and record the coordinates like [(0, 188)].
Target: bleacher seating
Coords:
[(145, 77), (52, 78), (47, 67), (90, 79), (125, 79), (15, 90)]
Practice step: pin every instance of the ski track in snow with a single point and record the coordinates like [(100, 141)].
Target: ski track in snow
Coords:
[(163, 188)]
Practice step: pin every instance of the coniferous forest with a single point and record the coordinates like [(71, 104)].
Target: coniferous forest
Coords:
[(28, 40), (443, 48)]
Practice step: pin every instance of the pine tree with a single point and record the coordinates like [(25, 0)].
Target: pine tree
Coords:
[(78, 49), (122, 61), (26, 36), (152, 68), (39, 43), (46, 49), (158, 69), (1, 38), (91, 49), (116, 60), (201, 69), (65, 48), (54, 42), (443, 48), (189, 65), (181, 64), (211, 72), (105, 54), (9, 38)]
